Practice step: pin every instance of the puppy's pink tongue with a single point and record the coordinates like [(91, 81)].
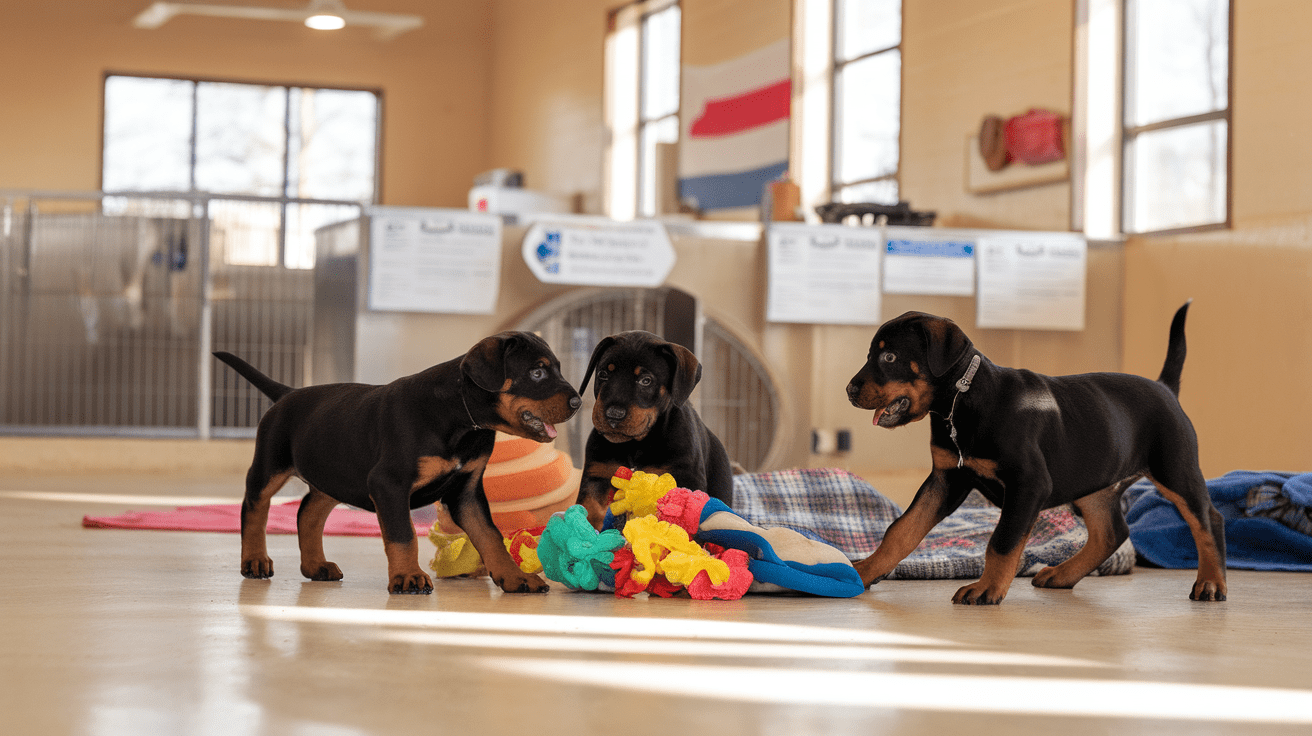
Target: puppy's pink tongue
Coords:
[(551, 430), (878, 414)]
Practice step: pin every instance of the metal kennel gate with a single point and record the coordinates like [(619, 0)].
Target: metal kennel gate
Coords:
[(111, 305)]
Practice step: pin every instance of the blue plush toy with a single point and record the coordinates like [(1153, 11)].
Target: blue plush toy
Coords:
[(781, 556)]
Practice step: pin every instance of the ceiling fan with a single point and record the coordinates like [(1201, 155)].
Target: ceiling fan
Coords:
[(319, 14)]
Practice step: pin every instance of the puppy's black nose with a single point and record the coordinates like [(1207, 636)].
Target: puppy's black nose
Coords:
[(852, 391), (575, 402), (616, 412)]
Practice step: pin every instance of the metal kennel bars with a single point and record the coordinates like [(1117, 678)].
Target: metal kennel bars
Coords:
[(110, 306)]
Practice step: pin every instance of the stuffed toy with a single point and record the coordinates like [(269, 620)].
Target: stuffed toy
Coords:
[(664, 540)]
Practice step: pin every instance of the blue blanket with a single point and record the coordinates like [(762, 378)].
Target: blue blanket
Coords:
[(1263, 512)]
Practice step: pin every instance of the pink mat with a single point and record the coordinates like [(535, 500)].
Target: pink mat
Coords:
[(342, 522)]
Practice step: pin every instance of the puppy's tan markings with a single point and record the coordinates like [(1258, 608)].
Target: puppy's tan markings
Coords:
[(310, 521), (1210, 584), (255, 560), (430, 468)]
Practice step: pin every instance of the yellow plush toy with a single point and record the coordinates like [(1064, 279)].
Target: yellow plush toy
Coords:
[(637, 495), (661, 547), (455, 556)]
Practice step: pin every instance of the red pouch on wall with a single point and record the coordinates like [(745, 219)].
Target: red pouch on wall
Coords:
[(1035, 137)]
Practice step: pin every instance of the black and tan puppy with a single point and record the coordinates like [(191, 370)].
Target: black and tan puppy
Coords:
[(417, 440), (642, 420), (1031, 442)]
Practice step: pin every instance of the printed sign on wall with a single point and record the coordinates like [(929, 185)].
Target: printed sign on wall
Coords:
[(1032, 281), (598, 252), (823, 274), (924, 261), (433, 260)]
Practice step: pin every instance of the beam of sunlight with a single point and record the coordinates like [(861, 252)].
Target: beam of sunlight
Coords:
[(679, 628), (754, 650), (1038, 696), (122, 498)]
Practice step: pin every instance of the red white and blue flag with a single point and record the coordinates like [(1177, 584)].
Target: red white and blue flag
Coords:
[(735, 128)]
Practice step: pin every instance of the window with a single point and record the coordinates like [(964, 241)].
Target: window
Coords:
[(867, 100), (1176, 128), (659, 82), (282, 142), (642, 71)]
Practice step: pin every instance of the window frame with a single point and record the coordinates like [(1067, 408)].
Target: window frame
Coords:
[(1129, 133), (287, 87), (625, 74), (645, 169), (836, 66)]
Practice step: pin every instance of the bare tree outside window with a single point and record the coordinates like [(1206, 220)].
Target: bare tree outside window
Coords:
[(177, 135), (1177, 114), (659, 81), (867, 100)]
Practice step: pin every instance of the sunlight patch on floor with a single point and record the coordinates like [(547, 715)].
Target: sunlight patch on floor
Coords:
[(1042, 696), (677, 628), (744, 650)]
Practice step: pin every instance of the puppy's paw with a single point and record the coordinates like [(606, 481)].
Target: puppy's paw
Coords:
[(257, 568), (325, 571), (980, 593), (1051, 577), (413, 583), (1208, 590), (870, 571), (522, 583)]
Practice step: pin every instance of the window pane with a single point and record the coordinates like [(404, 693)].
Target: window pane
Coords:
[(867, 25), (1178, 59), (147, 134), (1177, 177), (302, 222), (665, 130), (883, 191), (868, 117), (660, 63), (334, 142), (245, 233), (240, 138)]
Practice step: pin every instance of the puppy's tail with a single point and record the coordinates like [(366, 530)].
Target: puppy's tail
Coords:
[(266, 385), (1175, 351)]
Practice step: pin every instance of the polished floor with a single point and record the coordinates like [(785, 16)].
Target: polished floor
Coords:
[(138, 632)]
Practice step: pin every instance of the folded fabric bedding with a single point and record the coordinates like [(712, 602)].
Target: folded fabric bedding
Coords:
[(837, 507), (1268, 516), (342, 522)]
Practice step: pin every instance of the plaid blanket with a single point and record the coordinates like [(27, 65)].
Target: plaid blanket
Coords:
[(837, 507)]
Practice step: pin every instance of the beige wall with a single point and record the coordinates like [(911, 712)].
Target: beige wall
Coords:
[(963, 60), (435, 82), (545, 112)]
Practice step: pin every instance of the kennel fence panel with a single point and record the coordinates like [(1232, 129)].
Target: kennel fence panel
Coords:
[(110, 307)]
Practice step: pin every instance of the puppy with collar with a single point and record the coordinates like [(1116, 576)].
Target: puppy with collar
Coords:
[(642, 421), (1030, 442), (388, 449)]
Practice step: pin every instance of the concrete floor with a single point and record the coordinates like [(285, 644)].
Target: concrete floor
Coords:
[(138, 632)]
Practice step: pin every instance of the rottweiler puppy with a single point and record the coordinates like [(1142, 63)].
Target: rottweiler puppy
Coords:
[(1030, 442), (642, 421), (388, 449)]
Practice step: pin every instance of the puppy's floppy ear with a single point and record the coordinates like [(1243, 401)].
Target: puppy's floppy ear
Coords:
[(485, 363), (945, 344), (685, 371), (597, 352)]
